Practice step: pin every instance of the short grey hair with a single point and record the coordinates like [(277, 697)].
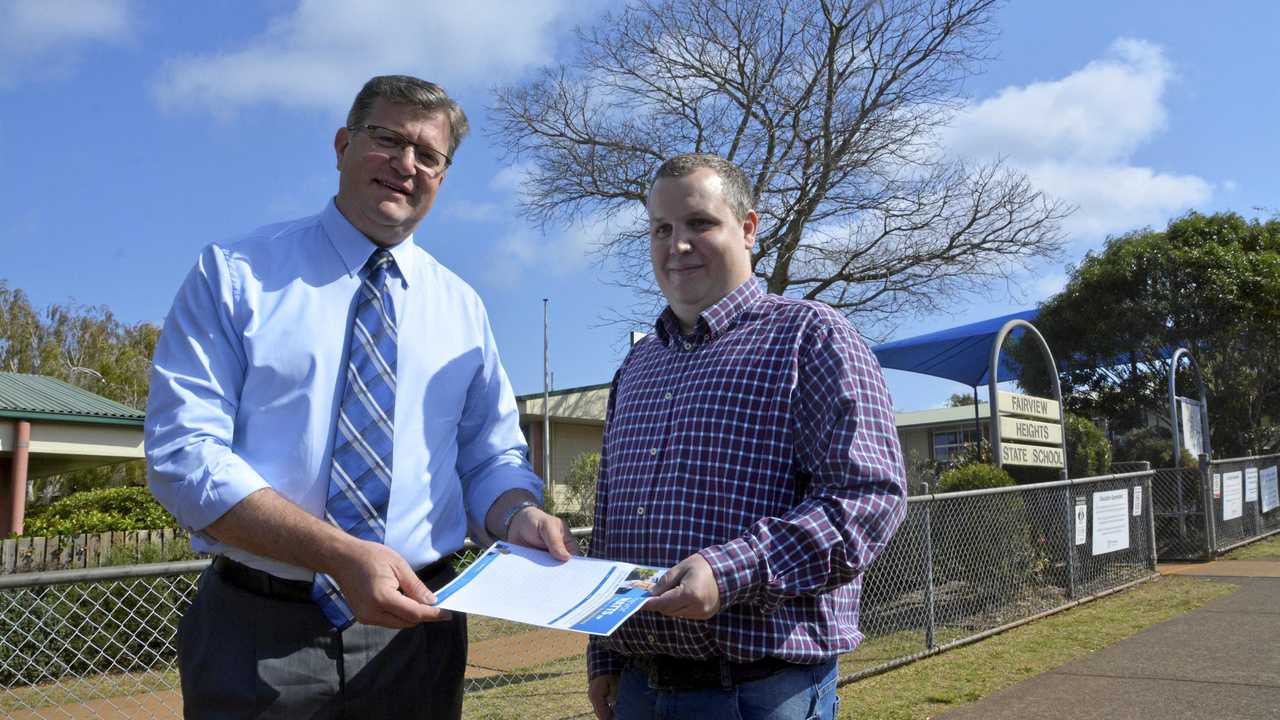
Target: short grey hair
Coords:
[(412, 91), (734, 184)]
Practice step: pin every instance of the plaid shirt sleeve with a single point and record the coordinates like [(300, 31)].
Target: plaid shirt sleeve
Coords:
[(601, 660), (847, 445)]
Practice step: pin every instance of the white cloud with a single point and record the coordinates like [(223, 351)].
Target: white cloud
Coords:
[(1075, 137), (46, 34), (317, 54), (523, 249), (470, 210), (1114, 198), (512, 177), (1049, 285)]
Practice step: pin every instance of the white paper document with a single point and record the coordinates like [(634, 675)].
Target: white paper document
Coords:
[(517, 583), (1110, 521), (1232, 495), (1137, 500), (1270, 496), (1082, 523), (1251, 484)]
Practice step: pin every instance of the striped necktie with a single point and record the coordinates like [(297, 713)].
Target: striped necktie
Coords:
[(360, 471)]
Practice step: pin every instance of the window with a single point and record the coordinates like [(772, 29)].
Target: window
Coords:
[(949, 442)]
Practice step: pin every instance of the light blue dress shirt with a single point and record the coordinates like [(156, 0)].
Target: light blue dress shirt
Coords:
[(248, 378)]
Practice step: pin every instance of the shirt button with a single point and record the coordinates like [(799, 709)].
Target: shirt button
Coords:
[(667, 395), (652, 638), (653, 451), (688, 346), (640, 510)]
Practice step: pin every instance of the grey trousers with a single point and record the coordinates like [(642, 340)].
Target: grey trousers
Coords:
[(241, 655)]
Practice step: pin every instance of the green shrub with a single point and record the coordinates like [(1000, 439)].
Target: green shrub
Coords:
[(1153, 445), (84, 629), (102, 510), (580, 481), (974, 476), (1088, 452), (986, 542)]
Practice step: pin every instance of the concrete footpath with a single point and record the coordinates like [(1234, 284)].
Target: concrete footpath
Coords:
[(1220, 661)]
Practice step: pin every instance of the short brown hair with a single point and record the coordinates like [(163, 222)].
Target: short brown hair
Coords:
[(409, 90), (735, 186)]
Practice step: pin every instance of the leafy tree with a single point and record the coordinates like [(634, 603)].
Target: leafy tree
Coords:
[(961, 400), (1210, 283), (86, 346), (584, 471), (1088, 452), (833, 107)]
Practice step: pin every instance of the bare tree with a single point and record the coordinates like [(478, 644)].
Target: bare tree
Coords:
[(833, 107)]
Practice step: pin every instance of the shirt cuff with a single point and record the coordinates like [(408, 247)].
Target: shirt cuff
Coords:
[(485, 485), (736, 569), (602, 661)]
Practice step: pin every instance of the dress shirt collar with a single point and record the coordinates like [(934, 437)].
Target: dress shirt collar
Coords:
[(715, 320), (354, 248)]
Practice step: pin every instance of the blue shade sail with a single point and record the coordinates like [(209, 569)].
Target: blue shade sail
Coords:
[(960, 353)]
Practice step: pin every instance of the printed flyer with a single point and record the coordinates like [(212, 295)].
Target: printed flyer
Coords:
[(517, 583)]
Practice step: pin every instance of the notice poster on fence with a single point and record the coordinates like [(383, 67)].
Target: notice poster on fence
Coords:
[(1251, 484), (1082, 522), (1270, 494), (1217, 486), (1232, 495), (518, 583), (1137, 500), (1110, 521)]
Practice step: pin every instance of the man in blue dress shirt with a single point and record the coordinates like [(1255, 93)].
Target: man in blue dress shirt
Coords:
[(250, 373)]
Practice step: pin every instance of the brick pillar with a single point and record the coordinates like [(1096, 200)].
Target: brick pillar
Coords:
[(13, 505)]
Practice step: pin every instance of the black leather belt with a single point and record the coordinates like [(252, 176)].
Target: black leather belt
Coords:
[(258, 582), (672, 673)]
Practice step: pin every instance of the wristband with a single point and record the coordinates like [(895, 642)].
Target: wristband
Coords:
[(511, 515)]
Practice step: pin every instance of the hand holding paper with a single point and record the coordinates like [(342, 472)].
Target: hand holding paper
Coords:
[(687, 591), (530, 586)]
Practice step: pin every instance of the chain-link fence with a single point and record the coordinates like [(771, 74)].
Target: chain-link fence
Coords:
[(1245, 506), (1241, 495), (100, 643), (1180, 497), (967, 564)]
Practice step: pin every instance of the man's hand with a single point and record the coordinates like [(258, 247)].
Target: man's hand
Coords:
[(687, 591), (382, 589), (533, 527), (603, 693)]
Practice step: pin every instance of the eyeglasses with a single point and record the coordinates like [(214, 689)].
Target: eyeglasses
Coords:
[(426, 159)]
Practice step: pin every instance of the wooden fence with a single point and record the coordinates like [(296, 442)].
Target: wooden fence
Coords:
[(37, 554)]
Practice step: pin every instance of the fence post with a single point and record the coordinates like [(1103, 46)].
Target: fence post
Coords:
[(927, 552), (1207, 501), (1150, 509), (1070, 515)]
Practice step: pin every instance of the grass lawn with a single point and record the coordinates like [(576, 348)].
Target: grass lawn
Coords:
[(946, 681), (1268, 549)]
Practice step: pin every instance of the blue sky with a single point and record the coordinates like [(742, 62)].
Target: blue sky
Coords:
[(135, 133)]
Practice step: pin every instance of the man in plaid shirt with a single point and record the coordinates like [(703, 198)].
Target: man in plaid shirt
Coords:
[(749, 444)]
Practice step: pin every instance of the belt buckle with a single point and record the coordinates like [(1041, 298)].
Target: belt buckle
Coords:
[(661, 677)]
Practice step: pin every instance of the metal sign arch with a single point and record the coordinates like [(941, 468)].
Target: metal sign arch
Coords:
[(994, 392), (1173, 404)]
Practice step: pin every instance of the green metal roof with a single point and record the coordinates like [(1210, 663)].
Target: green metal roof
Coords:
[(37, 397)]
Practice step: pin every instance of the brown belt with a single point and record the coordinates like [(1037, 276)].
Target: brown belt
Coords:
[(258, 582)]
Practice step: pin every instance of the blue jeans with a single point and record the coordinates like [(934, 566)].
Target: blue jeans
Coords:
[(801, 693)]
